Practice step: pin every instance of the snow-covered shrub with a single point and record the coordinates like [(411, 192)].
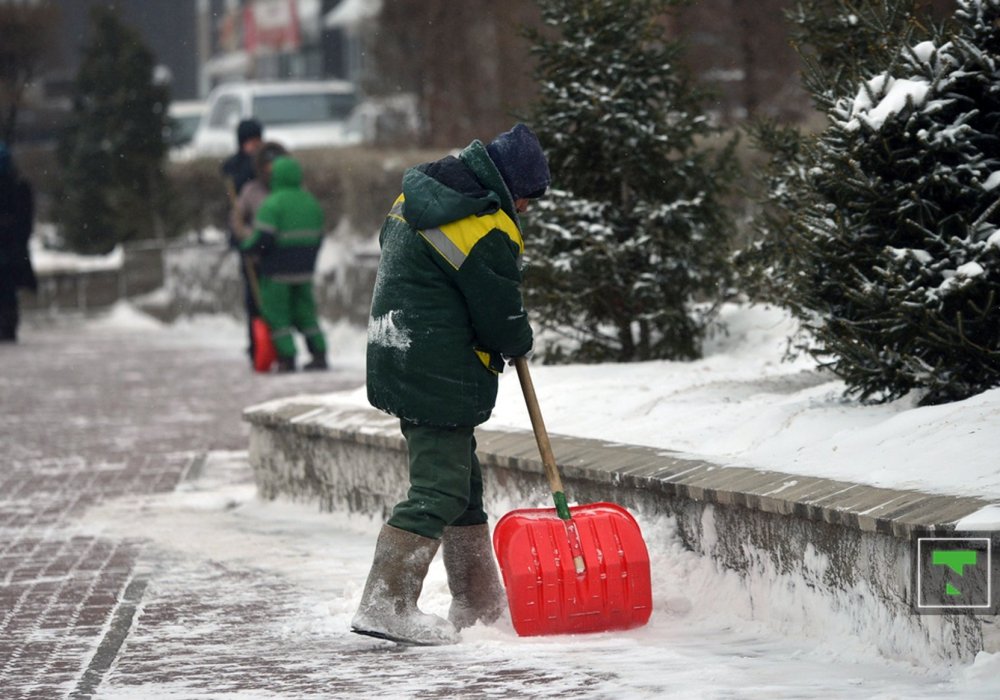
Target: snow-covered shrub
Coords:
[(634, 231), (900, 280)]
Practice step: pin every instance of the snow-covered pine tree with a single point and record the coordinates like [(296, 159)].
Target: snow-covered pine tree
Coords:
[(840, 43), (634, 231), (843, 41), (113, 151), (902, 267)]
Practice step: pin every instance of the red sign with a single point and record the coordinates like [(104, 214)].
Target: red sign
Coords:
[(271, 24)]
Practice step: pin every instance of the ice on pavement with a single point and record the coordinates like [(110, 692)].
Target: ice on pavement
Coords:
[(700, 642), (713, 634)]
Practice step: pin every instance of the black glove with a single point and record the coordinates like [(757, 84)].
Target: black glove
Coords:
[(527, 356)]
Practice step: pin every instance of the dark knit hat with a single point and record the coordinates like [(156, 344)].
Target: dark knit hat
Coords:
[(248, 129), (519, 158)]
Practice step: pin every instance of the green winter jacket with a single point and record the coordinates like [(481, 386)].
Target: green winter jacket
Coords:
[(288, 228), (447, 299)]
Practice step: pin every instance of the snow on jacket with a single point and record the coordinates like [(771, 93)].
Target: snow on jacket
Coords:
[(288, 229), (447, 301)]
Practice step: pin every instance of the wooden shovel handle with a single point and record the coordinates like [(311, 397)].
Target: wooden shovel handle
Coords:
[(252, 282), (549, 462), (538, 425)]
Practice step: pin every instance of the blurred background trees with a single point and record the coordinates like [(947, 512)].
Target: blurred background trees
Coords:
[(634, 228), (467, 62), (27, 37), (112, 155), (882, 241)]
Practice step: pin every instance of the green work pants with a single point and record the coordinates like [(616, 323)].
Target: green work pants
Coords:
[(288, 305), (446, 482)]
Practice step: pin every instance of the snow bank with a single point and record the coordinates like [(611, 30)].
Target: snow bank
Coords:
[(742, 405)]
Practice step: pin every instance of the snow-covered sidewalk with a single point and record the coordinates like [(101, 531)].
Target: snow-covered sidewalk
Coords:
[(246, 599), (263, 594)]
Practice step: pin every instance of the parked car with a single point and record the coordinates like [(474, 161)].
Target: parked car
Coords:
[(301, 114), (184, 116), (183, 119)]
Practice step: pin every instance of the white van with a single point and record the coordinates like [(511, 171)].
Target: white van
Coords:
[(301, 114)]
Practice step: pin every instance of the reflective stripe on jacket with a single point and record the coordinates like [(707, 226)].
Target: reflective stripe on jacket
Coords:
[(447, 301)]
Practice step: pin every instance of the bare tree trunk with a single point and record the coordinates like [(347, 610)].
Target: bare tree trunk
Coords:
[(467, 63)]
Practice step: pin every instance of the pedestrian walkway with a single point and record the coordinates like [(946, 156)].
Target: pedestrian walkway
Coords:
[(136, 563), (86, 416), (90, 419)]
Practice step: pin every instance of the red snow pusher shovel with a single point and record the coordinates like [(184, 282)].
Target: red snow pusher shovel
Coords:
[(568, 570), (264, 354)]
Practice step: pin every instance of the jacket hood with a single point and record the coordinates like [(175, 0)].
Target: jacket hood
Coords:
[(477, 158), (286, 173), (453, 188)]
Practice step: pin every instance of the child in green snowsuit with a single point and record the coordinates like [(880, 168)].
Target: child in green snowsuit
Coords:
[(286, 235)]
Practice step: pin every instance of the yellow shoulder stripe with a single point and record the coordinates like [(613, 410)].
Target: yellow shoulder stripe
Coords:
[(397, 209), (454, 241)]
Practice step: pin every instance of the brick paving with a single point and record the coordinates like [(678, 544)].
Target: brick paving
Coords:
[(104, 592), (90, 417), (85, 416)]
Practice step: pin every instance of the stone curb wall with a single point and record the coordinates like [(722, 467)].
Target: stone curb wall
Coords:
[(178, 279), (141, 272), (768, 526)]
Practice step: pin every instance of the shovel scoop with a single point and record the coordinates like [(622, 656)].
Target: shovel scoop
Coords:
[(570, 569)]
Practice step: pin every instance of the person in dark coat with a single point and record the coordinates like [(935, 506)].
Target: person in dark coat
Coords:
[(238, 170), (446, 312), (17, 213)]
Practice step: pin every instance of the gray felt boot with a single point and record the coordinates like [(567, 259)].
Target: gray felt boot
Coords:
[(388, 607), (476, 591)]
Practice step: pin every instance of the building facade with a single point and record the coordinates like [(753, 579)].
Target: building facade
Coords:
[(281, 39)]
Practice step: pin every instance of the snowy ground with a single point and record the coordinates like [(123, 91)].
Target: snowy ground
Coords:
[(258, 586), (743, 405), (698, 644)]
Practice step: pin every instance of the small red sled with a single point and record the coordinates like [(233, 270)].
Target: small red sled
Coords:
[(569, 570)]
